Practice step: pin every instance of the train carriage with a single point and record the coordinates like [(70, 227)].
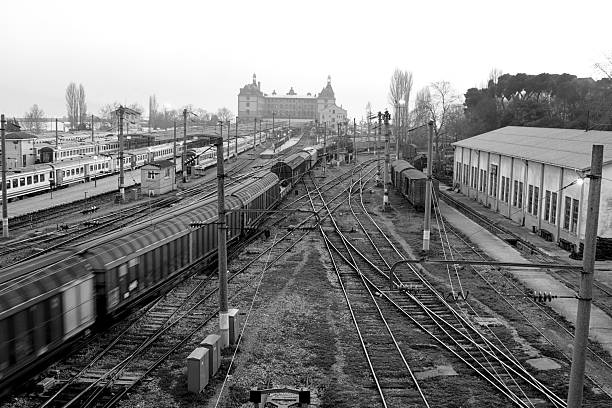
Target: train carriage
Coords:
[(27, 181), (258, 197), (43, 310), (291, 168), (410, 182)]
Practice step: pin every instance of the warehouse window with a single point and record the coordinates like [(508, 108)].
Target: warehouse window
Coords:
[(520, 195), (484, 181), (553, 208), (530, 199), (536, 201), (493, 183), (547, 206), (568, 210), (515, 195), (575, 215), (151, 175), (503, 188)]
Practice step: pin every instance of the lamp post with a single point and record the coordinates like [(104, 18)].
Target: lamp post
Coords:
[(398, 129)]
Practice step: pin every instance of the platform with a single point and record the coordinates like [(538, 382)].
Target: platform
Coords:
[(271, 153), (534, 279), (74, 192)]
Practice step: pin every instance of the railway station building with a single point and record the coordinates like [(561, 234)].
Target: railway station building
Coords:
[(253, 103), (538, 178), (20, 150), (157, 178)]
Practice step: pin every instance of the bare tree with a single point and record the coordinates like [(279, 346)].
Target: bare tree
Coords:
[(606, 66), (437, 102), (82, 106), (153, 112), (34, 118), (399, 90), (72, 104), (225, 114)]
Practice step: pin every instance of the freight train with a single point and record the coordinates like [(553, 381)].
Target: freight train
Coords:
[(53, 299), (410, 182)]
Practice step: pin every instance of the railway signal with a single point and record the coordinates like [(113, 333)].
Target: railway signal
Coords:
[(387, 117), (121, 111), (427, 220)]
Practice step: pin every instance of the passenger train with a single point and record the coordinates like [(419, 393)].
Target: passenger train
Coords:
[(48, 301), (79, 168)]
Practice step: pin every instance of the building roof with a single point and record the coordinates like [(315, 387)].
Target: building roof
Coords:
[(20, 135), (162, 164), (569, 148), (327, 92)]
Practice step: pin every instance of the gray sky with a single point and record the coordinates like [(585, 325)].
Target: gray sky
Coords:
[(202, 52)]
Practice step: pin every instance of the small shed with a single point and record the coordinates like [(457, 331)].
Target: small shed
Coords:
[(157, 177)]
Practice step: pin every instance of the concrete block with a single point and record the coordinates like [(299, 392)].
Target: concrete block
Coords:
[(198, 372), (234, 326), (212, 342)]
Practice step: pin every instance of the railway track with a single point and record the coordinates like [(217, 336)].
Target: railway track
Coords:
[(420, 304), (513, 296)]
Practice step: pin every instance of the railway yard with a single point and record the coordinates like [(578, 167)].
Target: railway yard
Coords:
[(321, 308)]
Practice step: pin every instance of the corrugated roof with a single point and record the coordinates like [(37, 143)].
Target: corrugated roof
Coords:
[(569, 148), (20, 135)]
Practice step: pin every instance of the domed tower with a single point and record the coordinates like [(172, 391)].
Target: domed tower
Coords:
[(326, 97), (251, 100)]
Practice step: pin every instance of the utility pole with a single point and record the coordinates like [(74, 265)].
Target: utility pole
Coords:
[(92, 128), (174, 150), (397, 132), (236, 149), (581, 335), (222, 248), (428, 186), (324, 148), (273, 145), (369, 127), (354, 139), (5, 225), (121, 180), (229, 129), (387, 117), (378, 148), (254, 134), (56, 137), (184, 145)]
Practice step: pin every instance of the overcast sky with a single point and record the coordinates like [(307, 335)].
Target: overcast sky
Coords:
[(202, 52)]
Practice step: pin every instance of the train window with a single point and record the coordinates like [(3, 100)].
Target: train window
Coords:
[(15, 183), (72, 172), (54, 317), (4, 345), (23, 334), (36, 178), (51, 175), (22, 181), (77, 170)]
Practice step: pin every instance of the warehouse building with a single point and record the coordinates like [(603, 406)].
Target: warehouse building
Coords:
[(538, 178)]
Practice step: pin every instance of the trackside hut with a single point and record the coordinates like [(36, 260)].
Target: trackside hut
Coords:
[(537, 177), (157, 178)]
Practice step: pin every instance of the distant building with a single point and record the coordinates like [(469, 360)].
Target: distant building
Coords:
[(20, 150), (537, 177), (254, 104), (157, 178)]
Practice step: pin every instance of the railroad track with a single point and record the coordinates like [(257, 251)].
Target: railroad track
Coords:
[(421, 305), (512, 294)]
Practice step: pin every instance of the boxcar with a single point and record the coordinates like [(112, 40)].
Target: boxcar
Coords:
[(40, 311), (290, 168)]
